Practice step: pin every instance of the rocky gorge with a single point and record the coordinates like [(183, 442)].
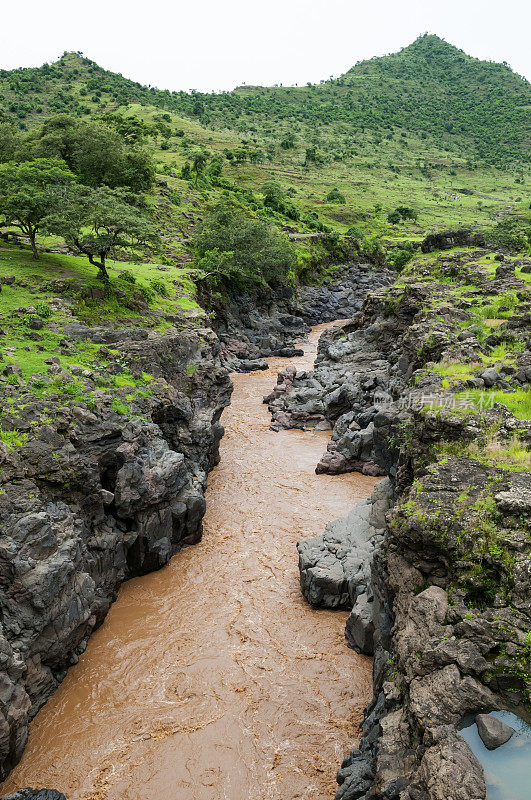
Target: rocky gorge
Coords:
[(425, 385), (102, 483), (252, 328)]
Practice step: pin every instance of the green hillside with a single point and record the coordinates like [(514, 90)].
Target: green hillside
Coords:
[(192, 189), (428, 129), (430, 89)]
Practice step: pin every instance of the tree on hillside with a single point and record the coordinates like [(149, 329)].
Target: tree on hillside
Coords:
[(238, 251), (199, 160), (273, 195), (94, 151), (215, 168), (335, 196), (131, 129), (30, 192), (511, 233), (94, 222), (9, 141), (288, 142)]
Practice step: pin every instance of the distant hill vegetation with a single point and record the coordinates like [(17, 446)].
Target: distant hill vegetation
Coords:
[(430, 90), (420, 141)]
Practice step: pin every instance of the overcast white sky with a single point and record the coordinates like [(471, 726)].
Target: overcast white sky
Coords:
[(218, 44)]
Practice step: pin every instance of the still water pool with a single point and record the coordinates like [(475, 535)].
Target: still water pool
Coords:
[(508, 768)]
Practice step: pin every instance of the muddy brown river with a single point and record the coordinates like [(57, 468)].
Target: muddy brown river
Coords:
[(213, 679)]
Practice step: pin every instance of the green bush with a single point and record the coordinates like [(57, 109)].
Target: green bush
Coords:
[(127, 276), (511, 233), (159, 286), (402, 213), (43, 309), (400, 256), (335, 196)]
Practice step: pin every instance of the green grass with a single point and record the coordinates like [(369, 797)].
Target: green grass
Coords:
[(49, 267), (453, 371), (512, 455), (78, 279), (13, 439), (502, 307), (518, 401), (504, 352)]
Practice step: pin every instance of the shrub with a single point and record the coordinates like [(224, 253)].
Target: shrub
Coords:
[(394, 218), (402, 212), (399, 257), (43, 309), (288, 142), (407, 213), (127, 276), (335, 196), (511, 234), (159, 286)]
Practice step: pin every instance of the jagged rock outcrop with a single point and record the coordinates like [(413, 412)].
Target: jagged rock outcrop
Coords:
[(362, 382), (463, 237), (93, 492), (35, 794), (335, 568), (341, 294), (445, 646)]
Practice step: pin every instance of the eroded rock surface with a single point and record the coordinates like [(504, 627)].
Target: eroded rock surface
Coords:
[(335, 568), (251, 328)]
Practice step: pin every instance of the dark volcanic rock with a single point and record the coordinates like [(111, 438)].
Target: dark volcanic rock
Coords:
[(445, 241), (443, 598), (335, 567), (35, 794), (251, 328)]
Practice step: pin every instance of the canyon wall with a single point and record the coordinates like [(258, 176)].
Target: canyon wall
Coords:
[(96, 492)]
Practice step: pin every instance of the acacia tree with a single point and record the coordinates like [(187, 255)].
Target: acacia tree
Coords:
[(240, 251), (94, 222), (29, 192)]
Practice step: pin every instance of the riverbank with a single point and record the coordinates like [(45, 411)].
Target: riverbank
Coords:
[(429, 384)]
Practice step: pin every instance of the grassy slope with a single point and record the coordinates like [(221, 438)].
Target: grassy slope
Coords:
[(399, 130), (71, 280)]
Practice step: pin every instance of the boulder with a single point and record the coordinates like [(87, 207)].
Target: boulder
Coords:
[(335, 567), (493, 731), (359, 631)]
